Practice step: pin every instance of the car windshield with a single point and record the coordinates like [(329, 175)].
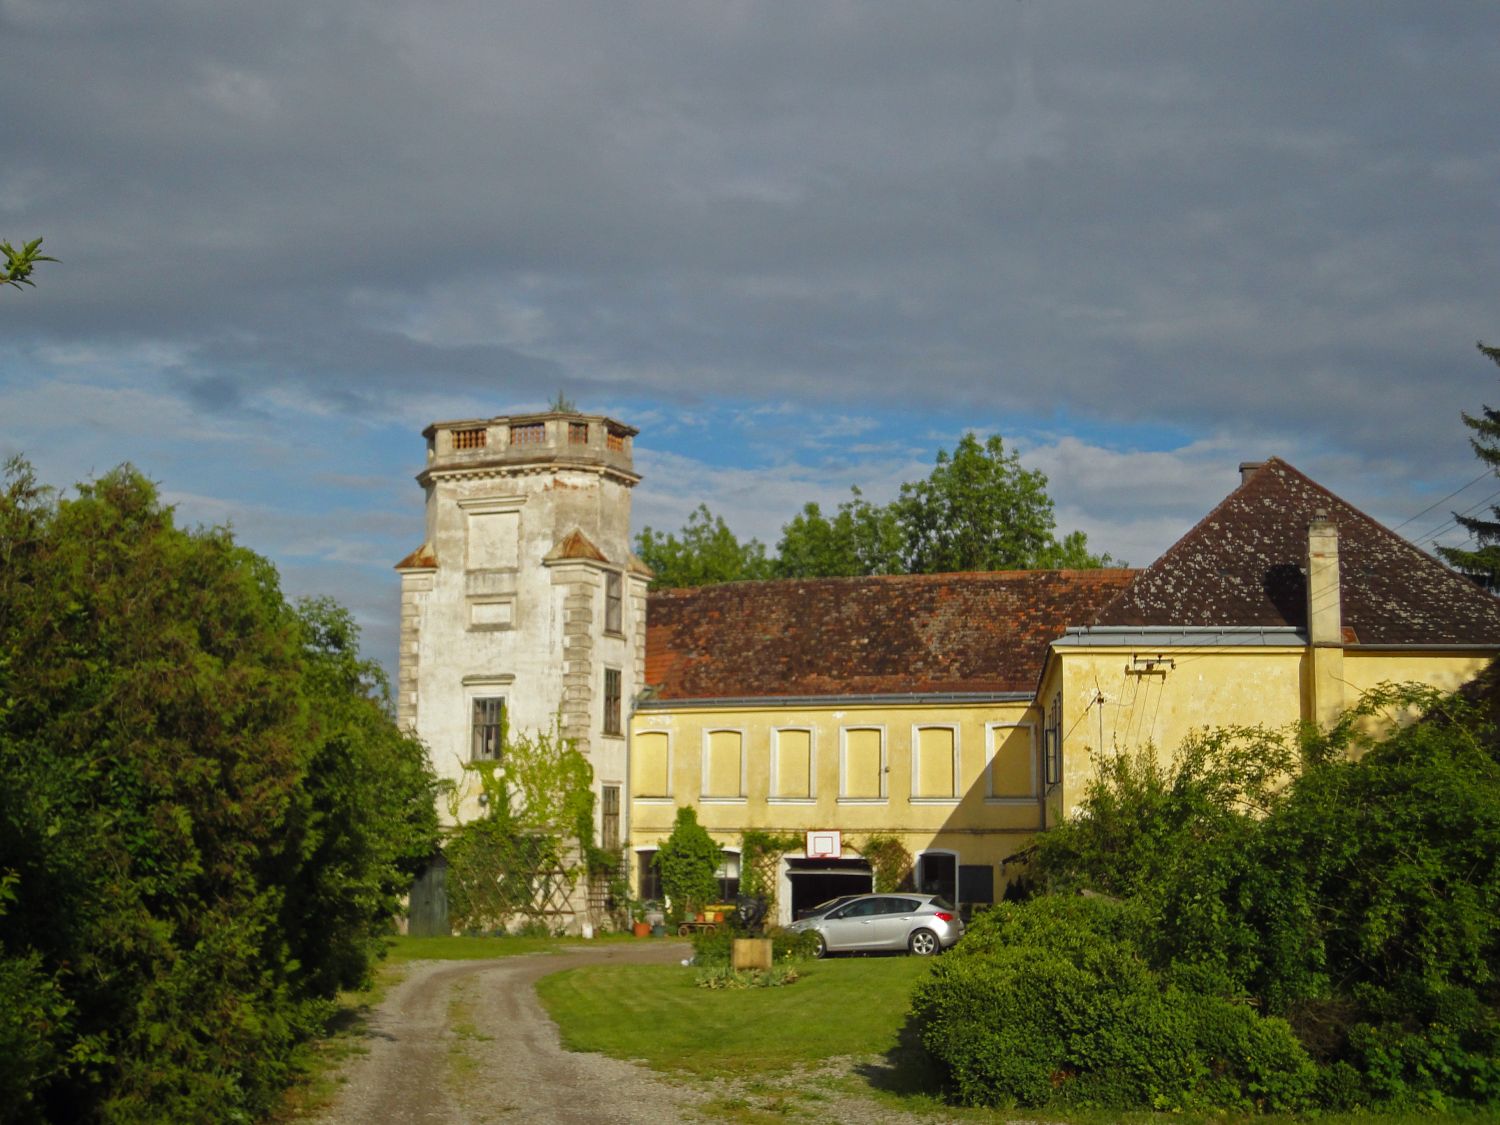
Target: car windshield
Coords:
[(941, 903), (825, 907)]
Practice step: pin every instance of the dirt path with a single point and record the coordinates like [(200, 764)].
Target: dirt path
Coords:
[(467, 1041)]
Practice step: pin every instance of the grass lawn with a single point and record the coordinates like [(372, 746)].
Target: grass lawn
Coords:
[(842, 1006), (767, 1044)]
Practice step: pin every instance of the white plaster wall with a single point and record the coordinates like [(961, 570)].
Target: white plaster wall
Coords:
[(525, 662)]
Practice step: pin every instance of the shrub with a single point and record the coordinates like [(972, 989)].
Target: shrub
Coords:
[(1358, 897), (687, 860), (207, 813), (722, 977), (786, 945), (1052, 1002)]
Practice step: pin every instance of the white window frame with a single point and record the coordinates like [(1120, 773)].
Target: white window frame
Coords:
[(885, 765), (812, 767), (619, 712), (622, 804), (992, 743), (613, 578), (664, 798), (958, 758), (487, 686), (714, 798), (739, 866)]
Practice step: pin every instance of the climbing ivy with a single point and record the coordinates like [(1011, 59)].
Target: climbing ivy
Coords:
[(760, 855), (892, 863), (523, 857)]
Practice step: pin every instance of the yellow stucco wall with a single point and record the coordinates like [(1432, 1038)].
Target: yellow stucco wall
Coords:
[(1444, 670), (967, 778), (1110, 701), (922, 772)]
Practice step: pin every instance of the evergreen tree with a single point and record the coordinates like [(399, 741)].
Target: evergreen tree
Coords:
[(1481, 562)]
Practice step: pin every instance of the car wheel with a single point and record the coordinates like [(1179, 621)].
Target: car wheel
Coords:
[(820, 947), (924, 943)]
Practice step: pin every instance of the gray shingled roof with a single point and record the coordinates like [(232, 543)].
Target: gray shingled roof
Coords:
[(1244, 564)]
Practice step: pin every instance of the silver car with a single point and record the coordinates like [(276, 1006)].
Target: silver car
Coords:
[(920, 924)]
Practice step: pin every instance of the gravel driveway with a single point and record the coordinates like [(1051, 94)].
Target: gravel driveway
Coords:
[(467, 1041)]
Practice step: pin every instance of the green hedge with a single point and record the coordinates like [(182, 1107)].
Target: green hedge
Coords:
[(207, 812), (1052, 1003)]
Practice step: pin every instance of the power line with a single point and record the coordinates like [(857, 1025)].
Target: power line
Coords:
[(1448, 525), (1444, 500)]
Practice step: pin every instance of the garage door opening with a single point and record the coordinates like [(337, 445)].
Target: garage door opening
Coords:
[(817, 880)]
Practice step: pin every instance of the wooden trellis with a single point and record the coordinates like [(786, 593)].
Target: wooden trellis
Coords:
[(512, 877)]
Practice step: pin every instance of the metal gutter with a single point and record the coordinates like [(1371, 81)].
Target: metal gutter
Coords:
[(1145, 636), (892, 699), (1418, 646)]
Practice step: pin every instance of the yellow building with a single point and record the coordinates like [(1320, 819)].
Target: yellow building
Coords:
[(851, 707), (960, 713), (1284, 603)]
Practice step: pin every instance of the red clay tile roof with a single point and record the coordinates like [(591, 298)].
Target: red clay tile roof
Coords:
[(1244, 564), (976, 632), (423, 558), (576, 545)]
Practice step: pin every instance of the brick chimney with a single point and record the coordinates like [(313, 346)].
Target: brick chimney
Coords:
[(1325, 634), (1248, 469)]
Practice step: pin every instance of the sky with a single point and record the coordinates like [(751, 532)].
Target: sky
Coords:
[(800, 246)]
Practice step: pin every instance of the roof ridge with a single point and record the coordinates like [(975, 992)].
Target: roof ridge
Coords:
[(1077, 573)]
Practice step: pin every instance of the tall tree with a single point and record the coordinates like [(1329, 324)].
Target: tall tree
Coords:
[(1482, 561), (980, 510), (706, 552), (863, 538), (207, 812)]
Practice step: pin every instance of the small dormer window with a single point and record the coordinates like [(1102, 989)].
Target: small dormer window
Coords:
[(615, 441), (578, 433)]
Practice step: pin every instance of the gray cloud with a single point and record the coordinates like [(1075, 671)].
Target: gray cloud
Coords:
[(1234, 222)]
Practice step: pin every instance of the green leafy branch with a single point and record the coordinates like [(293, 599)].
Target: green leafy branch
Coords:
[(20, 263)]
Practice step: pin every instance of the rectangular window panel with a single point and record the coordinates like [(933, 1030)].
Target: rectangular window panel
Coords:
[(793, 763), (493, 540), (612, 701), (935, 772), (488, 725), (728, 876), (648, 876), (976, 884), (614, 616), (648, 765), (609, 816), (721, 767), (1013, 765), (863, 767), (1052, 765)]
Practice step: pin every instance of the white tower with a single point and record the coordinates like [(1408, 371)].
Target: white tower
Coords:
[(524, 600)]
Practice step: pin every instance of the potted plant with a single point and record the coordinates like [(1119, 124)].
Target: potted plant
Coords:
[(638, 924)]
